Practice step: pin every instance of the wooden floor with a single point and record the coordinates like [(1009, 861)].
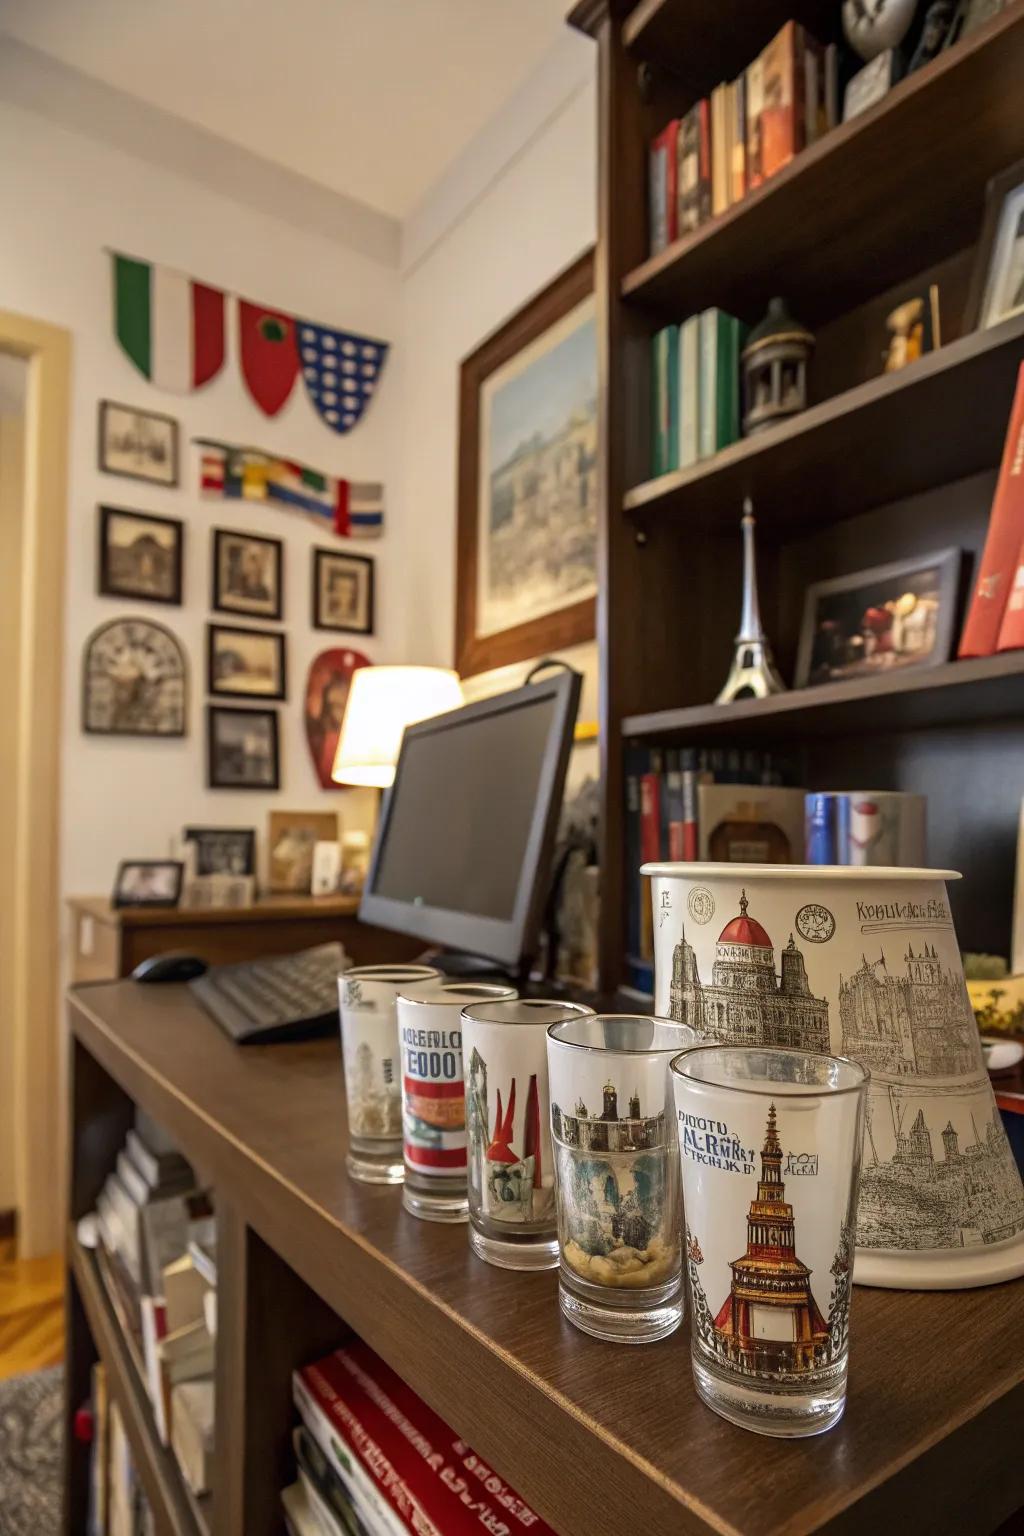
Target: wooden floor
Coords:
[(31, 1312)]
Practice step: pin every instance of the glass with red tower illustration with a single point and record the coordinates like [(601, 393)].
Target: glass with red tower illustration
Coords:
[(770, 1150), (508, 1128)]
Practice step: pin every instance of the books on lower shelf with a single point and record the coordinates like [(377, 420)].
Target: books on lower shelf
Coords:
[(708, 158), (995, 614), (695, 383), (373, 1458)]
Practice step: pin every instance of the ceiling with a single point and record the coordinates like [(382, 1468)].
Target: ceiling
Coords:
[(371, 98)]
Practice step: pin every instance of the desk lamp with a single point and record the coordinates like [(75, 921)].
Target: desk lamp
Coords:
[(381, 703)]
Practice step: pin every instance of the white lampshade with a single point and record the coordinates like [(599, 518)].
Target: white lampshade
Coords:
[(382, 701)]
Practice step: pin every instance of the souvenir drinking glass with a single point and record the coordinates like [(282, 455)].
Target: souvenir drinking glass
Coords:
[(434, 1094), (508, 1125), (373, 1088), (770, 1147), (617, 1174)]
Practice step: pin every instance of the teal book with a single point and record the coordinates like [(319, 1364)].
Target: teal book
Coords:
[(721, 339), (664, 409), (689, 391)]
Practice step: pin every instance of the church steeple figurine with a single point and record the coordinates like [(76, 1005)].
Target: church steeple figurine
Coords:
[(753, 674)]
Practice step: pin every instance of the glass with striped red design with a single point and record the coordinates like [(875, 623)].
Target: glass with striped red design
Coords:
[(508, 1129), (434, 1095)]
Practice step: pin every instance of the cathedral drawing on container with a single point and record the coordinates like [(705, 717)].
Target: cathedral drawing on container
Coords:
[(375, 1107), (746, 1002), (513, 1186), (918, 1022)]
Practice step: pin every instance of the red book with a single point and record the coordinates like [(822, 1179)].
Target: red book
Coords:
[(664, 186), (1002, 553)]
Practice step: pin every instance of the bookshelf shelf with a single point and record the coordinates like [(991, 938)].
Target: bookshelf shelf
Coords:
[(174, 1506), (988, 688), (869, 204), (705, 41), (859, 448)]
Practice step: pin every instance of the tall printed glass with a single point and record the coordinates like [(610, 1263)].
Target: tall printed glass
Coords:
[(617, 1174), (434, 1094), (508, 1123), (373, 1087), (770, 1148)]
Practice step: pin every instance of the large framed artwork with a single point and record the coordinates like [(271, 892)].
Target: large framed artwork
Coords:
[(526, 560)]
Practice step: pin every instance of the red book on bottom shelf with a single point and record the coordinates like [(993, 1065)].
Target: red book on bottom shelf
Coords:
[(1003, 548)]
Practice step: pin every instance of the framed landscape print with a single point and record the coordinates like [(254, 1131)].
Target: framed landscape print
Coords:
[(245, 663), (526, 561), (342, 592), (140, 555), (242, 748), (142, 445), (133, 681), (248, 572)]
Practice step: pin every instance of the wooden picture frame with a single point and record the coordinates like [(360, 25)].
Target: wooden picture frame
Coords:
[(122, 898), (943, 569), (244, 776), (225, 683), (163, 470), (361, 568), (998, 190), (292, 837), (573, 623), (110, 584), (245, 605)]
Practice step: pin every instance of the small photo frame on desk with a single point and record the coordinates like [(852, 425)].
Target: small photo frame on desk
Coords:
[(223, 850), (148, 883)]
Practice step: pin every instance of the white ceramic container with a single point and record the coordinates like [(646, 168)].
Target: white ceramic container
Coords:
[(861, 963)]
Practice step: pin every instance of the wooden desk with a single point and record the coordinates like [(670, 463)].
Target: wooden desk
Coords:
[(599, 1438), (108, 942)]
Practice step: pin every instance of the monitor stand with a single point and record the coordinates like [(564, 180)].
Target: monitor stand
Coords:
[(460, 965)]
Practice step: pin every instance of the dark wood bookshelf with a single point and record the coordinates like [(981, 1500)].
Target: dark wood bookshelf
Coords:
[(705, 41), (876, 432)]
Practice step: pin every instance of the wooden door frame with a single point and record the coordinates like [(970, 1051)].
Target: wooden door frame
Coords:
[(39, 1076)]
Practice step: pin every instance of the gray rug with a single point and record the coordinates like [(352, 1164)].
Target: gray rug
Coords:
[(31, 1453)]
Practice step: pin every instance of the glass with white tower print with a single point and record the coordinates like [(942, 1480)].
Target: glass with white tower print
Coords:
[(770, 1148), (434, 1094), (617, 1174), (373, 1086), (508, 1124)]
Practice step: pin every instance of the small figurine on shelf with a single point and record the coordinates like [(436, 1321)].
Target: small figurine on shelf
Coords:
[(753, 674), (913, 330), (775, 369)]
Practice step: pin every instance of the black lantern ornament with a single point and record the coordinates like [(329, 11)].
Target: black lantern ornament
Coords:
[(775, 362)]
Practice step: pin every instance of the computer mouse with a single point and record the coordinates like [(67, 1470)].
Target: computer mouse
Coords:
[(176, 965)]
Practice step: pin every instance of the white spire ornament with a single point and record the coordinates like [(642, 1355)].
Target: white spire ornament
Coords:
[(753, 674)]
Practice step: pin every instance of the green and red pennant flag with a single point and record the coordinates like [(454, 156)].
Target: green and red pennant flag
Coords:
[(170, 326), (270, 354)]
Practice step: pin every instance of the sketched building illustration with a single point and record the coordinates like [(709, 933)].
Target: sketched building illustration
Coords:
[(746, 1003), (919, 1022), (609, 1132)]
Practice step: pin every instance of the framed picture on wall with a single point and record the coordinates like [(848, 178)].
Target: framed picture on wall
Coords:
[(242, 748), (248, 572), (141, 445), (526, 553), (140, 555), (245, 663), (342, 592)]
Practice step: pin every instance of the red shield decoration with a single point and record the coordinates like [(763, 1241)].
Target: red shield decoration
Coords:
[(330, 675), (270, 354)]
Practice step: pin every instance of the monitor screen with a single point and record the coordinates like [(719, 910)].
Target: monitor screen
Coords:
[(463, 848)]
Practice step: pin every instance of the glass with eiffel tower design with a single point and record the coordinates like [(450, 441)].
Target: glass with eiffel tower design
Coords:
[(508, 1129), (770, 1149)]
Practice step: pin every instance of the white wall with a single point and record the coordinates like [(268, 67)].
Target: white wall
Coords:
[(64, 198)]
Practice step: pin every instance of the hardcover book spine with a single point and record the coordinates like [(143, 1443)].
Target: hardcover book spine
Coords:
[(674, 810), (688, 171), (1011, 630), (719, 149), (754, 80), (739, 140), (672, 180), (657, 194), (689, 391), (704, 161), (636, 764), (1003, 543), (650, 848), (708, 410)]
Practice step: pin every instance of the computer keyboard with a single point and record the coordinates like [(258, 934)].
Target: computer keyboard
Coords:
[(262, 1002)]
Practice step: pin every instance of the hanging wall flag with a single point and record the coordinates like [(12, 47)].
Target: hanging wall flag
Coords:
[(340, 371), (354, 509), (171, 327), (270, 357)]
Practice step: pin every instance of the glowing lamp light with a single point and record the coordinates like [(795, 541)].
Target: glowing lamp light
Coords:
[(382, 701)]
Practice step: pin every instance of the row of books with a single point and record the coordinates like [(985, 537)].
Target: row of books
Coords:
[(702, 163), (695, 384), (995, 614), (117, 1503), (373, 1460)]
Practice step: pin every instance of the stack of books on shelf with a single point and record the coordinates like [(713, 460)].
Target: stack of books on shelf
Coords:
[(702, 163), (695, 385), (374, 1460), (117, 1504), (727, 807), (154, 1254)]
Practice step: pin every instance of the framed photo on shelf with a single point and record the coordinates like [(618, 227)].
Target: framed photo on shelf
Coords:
[(148, 883), (242, 750), (248, 572), (997, 283), (292, 837), (223, 850), (142, 445), (245, 663), (342, 592), (526, 551), (879, 620), (140, 555)]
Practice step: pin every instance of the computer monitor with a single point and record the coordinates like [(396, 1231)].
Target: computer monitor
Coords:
[(462, 855)]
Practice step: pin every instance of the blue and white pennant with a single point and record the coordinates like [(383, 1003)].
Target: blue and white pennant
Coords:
[(340, 371)]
